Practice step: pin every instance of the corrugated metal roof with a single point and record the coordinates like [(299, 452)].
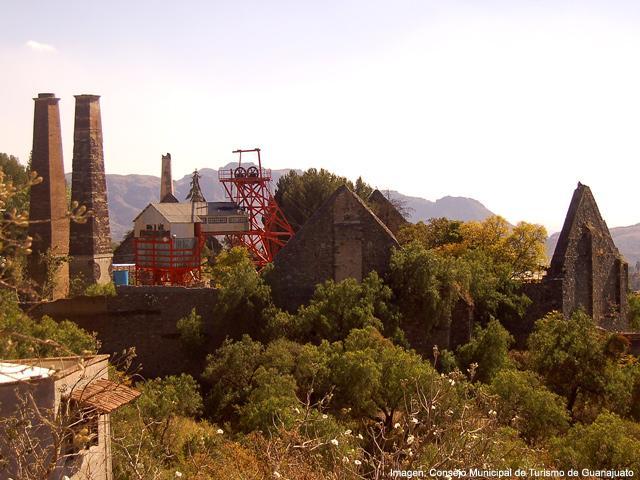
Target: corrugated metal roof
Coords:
[(14, 372), (104, 395), (174, 212)]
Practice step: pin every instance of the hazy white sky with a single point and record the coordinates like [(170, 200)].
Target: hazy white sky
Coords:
[(509, 102)]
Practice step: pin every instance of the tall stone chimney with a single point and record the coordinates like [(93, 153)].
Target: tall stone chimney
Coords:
[(90, 243), (166, 180), (47, 265)]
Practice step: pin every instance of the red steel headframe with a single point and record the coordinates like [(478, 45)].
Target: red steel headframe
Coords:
[(249, 188)]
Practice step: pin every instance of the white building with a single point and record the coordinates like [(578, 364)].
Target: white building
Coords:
[(55, 417)]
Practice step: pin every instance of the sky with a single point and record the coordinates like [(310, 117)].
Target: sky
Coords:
[(508, 102)]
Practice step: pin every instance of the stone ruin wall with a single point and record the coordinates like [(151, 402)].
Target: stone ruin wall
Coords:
[(144, 318), (342, 239)]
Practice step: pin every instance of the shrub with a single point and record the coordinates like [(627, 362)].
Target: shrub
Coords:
[(336, 308), (489, 348), (101, 289), (23, 337), (608, 443), (191, 331), (527, 404)]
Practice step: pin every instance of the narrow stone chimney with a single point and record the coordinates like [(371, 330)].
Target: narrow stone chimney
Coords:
[(47, 264), (166, 180), (90, 244)]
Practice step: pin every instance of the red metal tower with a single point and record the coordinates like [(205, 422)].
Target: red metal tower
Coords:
[(249, 188)]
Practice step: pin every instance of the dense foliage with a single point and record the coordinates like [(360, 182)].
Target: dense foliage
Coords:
[(301, 194), (333, 391), (23, 337)]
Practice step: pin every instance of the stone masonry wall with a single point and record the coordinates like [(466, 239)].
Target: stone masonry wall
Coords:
[(48, 205), (342, 239), (90, 244), (594, 274), (144, 318)]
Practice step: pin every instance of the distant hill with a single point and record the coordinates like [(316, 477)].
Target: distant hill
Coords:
[(627, 239), (454, 208), (129, 194)]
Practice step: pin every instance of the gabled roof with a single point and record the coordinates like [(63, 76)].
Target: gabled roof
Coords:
[(325, 209), (582, 199), (172, 212), (386, 210)]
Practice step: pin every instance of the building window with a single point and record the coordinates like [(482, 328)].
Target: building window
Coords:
[(81, 429), (217, 220), (237, 219)]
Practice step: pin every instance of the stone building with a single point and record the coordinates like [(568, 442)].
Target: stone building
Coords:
[(342, 239), (586, 271), (386, 211), (90, 244), (47, 265), (68, 402)]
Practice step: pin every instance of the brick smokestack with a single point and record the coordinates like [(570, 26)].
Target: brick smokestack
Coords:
[(90, 244), (166, 180), (48, 202)]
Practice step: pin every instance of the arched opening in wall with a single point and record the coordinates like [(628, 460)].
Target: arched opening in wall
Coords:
[(622, 272), (583, 295)]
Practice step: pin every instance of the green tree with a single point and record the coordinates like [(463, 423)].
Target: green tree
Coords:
[(176, 395), (494, 291), (300, 195), (230, 372), (270, 402), (18, 175), (338, 307), (608, 443), (427, 285), (371, 375), (521, 247), (362, 189), (528, 405), (569, 354), (149, 435), (23, 337), (243, 295), (436, 233), (488, 348), (634, 310)]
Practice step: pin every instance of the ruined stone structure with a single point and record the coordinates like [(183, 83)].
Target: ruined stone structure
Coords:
[(587, 270), (386, 211), (144, 318), (167, 194), (125, 252), (342, 239), (48, 206), (593, 273), (90, 246)]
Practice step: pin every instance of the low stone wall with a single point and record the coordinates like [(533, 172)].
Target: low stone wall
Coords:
[(144, 318)]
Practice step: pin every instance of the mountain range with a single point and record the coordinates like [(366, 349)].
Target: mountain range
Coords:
[(129, 194)]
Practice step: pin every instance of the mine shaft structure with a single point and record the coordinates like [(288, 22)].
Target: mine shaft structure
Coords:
[(249, 188)]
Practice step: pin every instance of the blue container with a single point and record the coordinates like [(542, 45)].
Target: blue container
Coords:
[(121, 277)]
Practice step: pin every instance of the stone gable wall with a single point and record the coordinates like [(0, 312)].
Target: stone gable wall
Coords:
[(342, 239)]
